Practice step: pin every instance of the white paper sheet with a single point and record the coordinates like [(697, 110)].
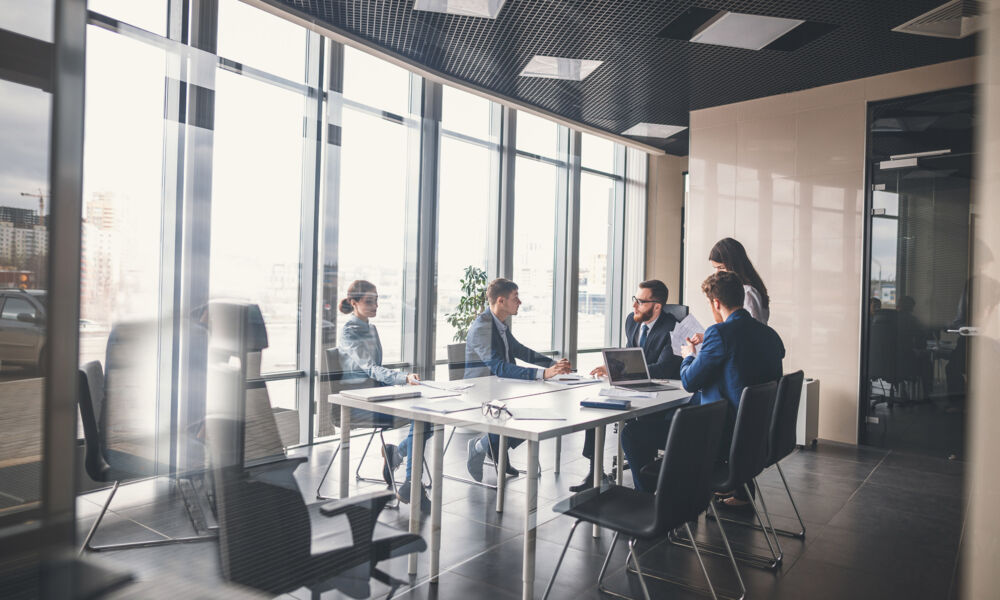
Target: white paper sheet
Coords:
[(447, 406), (683, 330), (451, 386), (574, 379)]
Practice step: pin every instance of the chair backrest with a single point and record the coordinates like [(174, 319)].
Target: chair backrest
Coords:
[(751, 433), (785, 417), (679, 311), (456, 361), (334, 379), (883, 346), (684, 486), (91, 402), (264, 527)]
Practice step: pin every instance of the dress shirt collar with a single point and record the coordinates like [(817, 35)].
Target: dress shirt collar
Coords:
[(500, 324)]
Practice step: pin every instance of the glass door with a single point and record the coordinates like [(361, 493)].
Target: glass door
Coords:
[(917, 302)]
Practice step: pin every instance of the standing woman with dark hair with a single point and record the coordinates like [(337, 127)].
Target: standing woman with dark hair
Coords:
[(729, 255), (362, 348)]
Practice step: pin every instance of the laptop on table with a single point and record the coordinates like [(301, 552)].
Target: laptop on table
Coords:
[(627, 369)]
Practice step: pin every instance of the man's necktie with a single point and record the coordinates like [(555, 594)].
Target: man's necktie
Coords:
[(642, 336)]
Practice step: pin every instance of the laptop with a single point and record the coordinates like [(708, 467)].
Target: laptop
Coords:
[(383, 393), (627, 369)]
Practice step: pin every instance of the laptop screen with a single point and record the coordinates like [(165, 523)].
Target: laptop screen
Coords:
[(625, 364)]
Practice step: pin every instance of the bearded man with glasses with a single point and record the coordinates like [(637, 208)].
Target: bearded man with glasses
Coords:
[(648, 327)]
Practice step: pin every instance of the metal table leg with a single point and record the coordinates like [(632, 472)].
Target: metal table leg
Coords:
[(530, 523), (416, 477), (598, 464), (620, 474), (437, 467), (501, 462), (345, 450)]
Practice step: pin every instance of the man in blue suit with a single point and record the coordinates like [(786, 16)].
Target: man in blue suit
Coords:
[(492, 350), (736, 352), (647, 327)]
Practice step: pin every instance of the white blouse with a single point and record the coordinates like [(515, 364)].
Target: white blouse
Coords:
[(754, 304)]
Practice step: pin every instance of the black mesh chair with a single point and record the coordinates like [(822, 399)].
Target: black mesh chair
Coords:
[(267, 538), (683, 491), (105, 464), (748, 455), (333, 379), (783, 424), (679, 311)]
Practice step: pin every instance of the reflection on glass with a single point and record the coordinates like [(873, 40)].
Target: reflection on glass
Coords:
[(538, 136), (375, 82), (24, 155), (256, 219), (33, 19), (150, 15), (597, 196), (537, 189), (282, 51)]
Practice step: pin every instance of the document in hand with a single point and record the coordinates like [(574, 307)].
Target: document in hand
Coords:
[(683, 330)]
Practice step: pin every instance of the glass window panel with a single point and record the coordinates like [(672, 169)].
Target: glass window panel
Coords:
[(597, 153), (374, 179), (24, 161), (256, 219), (466, 187), (123, 171), (31, 18), (375, 82), (465, 113), (282, 51), (537, 190), (538, 136), (597, 196), (150, 15)]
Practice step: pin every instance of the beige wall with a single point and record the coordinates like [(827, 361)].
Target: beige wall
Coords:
[(982, 552), (665, 203), (785, 176)]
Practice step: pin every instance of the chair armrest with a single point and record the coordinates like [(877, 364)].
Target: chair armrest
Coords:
[(362, 512)]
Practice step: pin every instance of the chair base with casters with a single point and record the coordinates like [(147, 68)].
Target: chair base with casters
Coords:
[(87, 546)]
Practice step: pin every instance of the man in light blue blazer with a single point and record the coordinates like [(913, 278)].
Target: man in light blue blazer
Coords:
[(491, 349)]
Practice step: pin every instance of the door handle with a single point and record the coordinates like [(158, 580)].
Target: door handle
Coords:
[(965, 331)]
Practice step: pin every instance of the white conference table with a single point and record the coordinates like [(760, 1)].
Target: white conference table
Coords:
[(561, 399)]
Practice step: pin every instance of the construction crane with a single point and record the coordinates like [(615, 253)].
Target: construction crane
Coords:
[(41, 204)]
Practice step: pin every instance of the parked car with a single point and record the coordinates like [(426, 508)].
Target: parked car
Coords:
[(22, 327)]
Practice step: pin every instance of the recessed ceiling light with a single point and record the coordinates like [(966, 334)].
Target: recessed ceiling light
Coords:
[(488, 9), (555, 67), (740, 30), (653, 130)]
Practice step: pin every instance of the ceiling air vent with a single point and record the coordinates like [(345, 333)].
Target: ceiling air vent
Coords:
[(956, 19)]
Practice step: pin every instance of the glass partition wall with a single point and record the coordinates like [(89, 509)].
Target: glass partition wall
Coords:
[(229, 169)]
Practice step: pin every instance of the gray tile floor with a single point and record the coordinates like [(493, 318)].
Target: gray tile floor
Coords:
[(880, 524)]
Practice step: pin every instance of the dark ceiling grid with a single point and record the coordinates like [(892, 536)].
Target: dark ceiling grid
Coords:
[(644, 78)]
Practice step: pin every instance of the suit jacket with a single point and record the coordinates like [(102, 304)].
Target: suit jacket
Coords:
[(485, 352), (660, 357), (362, 352), (738, 352)]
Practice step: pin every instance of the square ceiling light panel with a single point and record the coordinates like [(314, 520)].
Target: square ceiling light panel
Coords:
[(555, 67), (653, 130), (488, 9), (739, 30)]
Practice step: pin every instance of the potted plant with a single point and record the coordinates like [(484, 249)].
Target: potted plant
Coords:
[(470, 305)]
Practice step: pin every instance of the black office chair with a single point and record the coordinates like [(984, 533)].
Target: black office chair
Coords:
[(748, 454), (266, 533), (783, 426), (333, 379), (683, 491), (105, 464), (679, 311)]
